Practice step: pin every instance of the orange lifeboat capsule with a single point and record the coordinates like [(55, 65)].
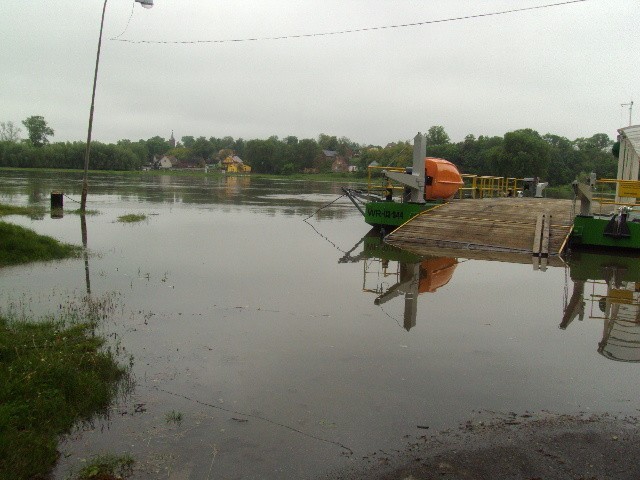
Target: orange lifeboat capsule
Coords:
[(436, 273), (443, 179)]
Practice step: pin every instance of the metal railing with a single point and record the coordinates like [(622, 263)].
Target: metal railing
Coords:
[(485, 186), (379, 184), (475, 186), (606, 188)]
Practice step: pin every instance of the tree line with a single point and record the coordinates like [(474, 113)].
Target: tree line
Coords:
[(519, 153)]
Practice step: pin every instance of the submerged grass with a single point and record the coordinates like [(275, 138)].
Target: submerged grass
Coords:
[(106, 467), (77, 211), (21, 245), (32, 212), (132, 218), (53, 374), (173, 417)]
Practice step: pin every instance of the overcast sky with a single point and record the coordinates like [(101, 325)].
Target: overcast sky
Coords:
[(563, 70)]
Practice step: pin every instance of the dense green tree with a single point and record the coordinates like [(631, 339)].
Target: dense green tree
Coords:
[(37, 130), (238, 147), (188, 141), (346, 147), (201, 149), (398, 154), (260, 154), (448, 151), (563, 159), (523, 153), (328, 142), (597, 142), (157, 146), (139, 148), (615, 150), (183, 154), (306, 151), (436, 135), (595, 153)]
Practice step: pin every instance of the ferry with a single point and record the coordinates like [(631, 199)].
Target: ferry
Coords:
[(429, 182)]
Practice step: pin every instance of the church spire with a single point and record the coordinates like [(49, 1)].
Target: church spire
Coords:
[(172, 141)]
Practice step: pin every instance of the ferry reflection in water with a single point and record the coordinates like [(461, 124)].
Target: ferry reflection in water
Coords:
[(609, 287), (390, 272)]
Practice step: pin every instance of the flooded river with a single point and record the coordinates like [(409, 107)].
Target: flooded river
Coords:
[(291, 349)]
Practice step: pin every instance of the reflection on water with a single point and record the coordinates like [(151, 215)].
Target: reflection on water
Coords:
[(85, 251), (242, 191), (612, 283), (608, 286), (390, 272)]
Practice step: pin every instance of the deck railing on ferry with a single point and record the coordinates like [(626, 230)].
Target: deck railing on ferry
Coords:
[(377, 184), (485, 186), (475, 186), (607, 190)]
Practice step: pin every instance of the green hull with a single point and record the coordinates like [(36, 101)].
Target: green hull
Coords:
[(375, 247), (589, 231), (588, 265), (392, 214)]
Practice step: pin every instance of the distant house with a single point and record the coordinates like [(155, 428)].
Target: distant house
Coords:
[(352, 168), (164, 161), (329, 154), (339, 165), (234, 164)]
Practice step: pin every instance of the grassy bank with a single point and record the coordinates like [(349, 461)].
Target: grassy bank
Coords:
[(21, 245), (31, 212), (52, 375)]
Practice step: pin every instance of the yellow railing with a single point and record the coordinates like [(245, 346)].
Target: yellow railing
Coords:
[(380, 184), (605, 191), (475, 186), (485, 186)]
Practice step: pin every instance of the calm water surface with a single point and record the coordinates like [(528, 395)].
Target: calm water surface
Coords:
[(292, 349)]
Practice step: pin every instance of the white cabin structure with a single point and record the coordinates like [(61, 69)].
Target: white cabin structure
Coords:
[(628, 161)]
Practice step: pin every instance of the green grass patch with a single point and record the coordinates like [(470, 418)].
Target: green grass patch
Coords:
[(52, 374), (31, 212), (106, 467), (77, 211), (21, 245), (173, 417), (132, 218)]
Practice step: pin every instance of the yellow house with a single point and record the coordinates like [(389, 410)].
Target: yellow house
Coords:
[(234, 164)]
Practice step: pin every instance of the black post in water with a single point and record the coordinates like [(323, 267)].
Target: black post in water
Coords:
[(57, 204)]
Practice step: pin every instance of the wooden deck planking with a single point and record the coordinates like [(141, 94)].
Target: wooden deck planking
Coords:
[(497, 224)]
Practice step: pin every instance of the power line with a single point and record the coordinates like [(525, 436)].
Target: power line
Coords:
[(127, 25), (350, 31)]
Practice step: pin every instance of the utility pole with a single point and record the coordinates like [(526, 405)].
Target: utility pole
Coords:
[(85, 183), (630, 105)]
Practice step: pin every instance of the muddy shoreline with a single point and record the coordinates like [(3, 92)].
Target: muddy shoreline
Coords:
[(511, 446)]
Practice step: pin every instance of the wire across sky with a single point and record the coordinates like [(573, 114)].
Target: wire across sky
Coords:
[(350, 31)]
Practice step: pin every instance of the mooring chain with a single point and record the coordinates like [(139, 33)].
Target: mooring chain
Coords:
[(235, 412), (72, 199), (321, 208), (316, 230)]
